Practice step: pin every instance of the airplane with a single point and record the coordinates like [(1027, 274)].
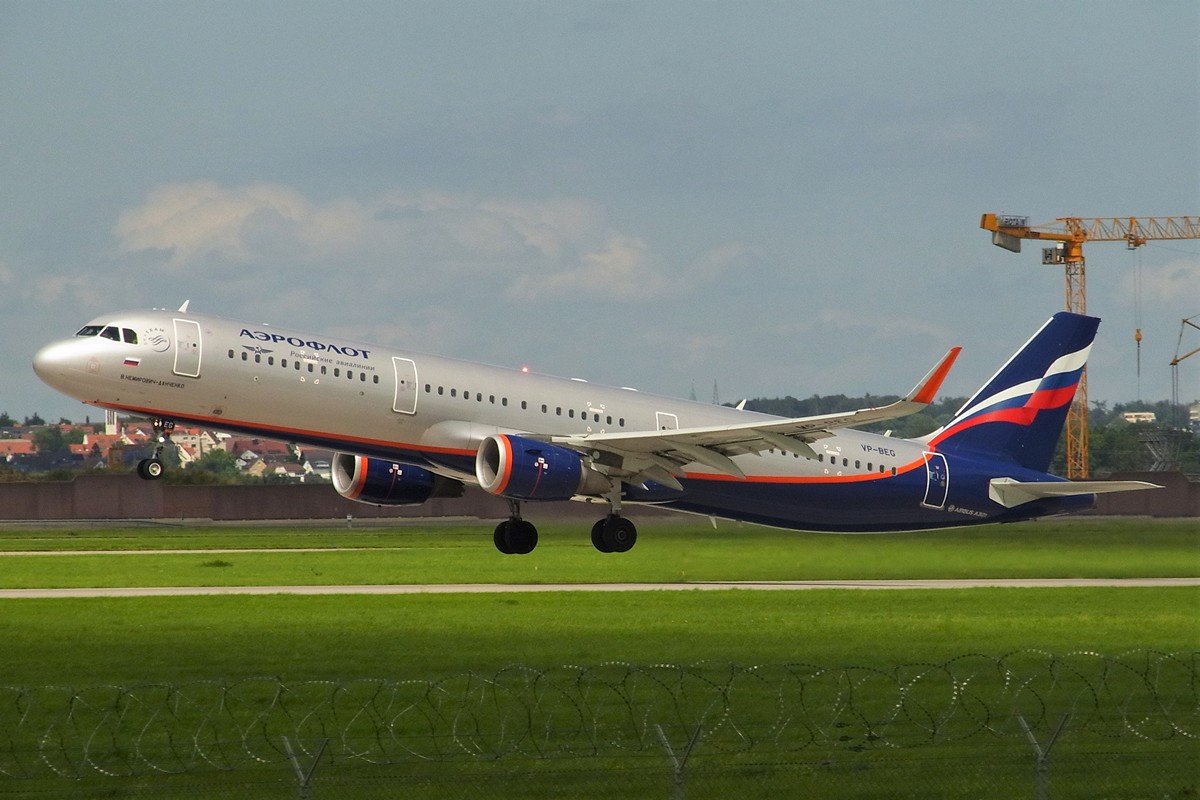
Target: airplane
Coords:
[(409, 426)]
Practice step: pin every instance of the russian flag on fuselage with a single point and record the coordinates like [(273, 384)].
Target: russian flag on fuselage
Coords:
[(1019, 413)]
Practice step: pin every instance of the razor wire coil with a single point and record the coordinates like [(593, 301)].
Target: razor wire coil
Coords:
[(608, 710)]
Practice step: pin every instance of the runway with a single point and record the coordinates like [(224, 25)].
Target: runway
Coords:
[(524, 588)]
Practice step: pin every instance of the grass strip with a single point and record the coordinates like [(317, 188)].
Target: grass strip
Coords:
[(665, 553), (133, 640)]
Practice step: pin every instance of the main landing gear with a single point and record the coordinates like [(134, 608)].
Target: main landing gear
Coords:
[(516, 536), (151, 469)]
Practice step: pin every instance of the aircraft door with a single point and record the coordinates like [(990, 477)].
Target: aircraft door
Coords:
[(937, 481), (187, 348), (665, 421), (405, 400)]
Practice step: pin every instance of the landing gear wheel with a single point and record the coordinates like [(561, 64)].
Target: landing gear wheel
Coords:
[(500, 538), (614, 534), (598, 536), (150, 469), (620, 534), (522, 537), (515, 537)]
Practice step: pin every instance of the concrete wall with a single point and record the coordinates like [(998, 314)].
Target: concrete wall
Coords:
[(129, 497)]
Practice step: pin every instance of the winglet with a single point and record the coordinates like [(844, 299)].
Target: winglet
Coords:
[(183, 308), (927, 388)]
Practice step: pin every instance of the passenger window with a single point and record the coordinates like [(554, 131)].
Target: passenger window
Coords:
[(608, 420), (111, 333), (571, 413), (245, 356), (503, 401), (427, 388), (375, 379), (558, 411), (454, 392), (479, 397), (231, 354), (270, 361), (283, 363), (857, 464), (543, 408), (524, 405), (492, 399), (129, 336), (337, 372), (621, 422), (441, 390), (258, 358), (323, 370)]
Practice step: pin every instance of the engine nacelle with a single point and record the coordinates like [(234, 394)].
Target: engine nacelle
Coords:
[(526, 469), (381, 482)]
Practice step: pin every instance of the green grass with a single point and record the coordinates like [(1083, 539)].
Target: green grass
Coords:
[(664, 553), (133, 640)]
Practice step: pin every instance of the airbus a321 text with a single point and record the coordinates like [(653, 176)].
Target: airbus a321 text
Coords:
[(408, 426)]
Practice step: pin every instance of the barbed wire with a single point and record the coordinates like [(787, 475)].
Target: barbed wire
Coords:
[(607, 710)]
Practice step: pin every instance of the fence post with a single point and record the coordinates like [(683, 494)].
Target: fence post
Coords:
[(678, 762), (1043, 753), (304, 777)]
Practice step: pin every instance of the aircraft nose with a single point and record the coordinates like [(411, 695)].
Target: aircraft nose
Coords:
[(52, 361)]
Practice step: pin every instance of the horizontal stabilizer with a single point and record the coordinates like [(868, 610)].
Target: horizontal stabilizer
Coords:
[(1010, 492)]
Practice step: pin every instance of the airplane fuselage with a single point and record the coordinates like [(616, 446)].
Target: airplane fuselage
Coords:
[(434, 411)]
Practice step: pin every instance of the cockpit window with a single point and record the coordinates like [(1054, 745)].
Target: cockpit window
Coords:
[(89, 330), (129, 335), (111, 333)]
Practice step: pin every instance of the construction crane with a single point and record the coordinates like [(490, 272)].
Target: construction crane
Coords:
[(1070, 233), (1183, 326)]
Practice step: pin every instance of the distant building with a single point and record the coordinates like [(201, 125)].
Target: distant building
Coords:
[(14, 447), (1136, 417), (317, 463)]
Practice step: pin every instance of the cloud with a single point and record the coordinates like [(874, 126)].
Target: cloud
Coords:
[(431, 241), (1166, 284)]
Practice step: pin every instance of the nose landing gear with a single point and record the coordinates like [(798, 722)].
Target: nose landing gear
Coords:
[(151, 469)]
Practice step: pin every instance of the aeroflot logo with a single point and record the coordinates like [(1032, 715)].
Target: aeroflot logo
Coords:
[(296, 341)]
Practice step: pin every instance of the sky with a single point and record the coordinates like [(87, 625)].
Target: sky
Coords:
[(778, 198)]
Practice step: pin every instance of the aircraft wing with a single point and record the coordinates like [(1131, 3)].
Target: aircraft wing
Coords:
[(661, 455)]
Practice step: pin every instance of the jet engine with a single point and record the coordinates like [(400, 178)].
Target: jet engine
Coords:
[(526, 469), (382, 482)]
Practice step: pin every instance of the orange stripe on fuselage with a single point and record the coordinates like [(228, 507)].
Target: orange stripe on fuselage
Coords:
[(220, 422)]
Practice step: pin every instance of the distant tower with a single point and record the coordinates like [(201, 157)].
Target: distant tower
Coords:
[(110, 422), (716, 398)]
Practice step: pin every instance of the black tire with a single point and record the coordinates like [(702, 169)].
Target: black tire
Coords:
[(522, 537), (150, 469), (500, 538), (598, 536), (620, 535)]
